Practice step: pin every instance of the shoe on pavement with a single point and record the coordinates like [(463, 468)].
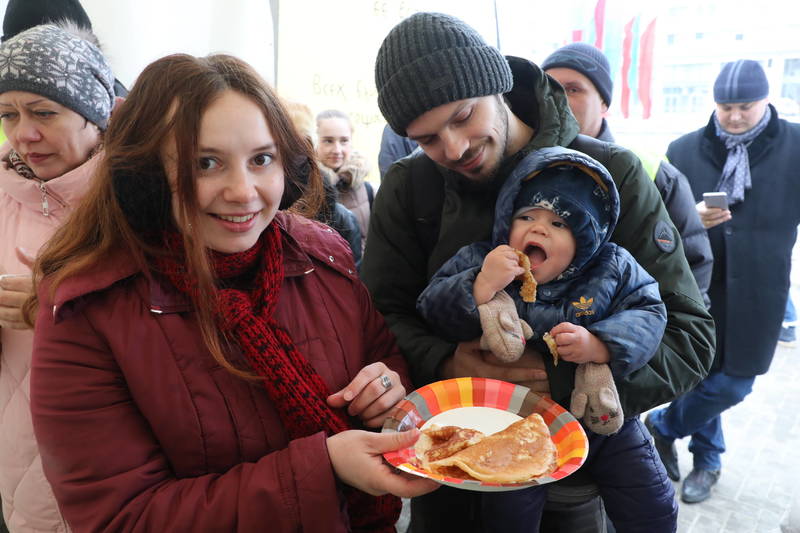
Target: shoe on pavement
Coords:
[(697, 485), (666, 450), (787, 338)]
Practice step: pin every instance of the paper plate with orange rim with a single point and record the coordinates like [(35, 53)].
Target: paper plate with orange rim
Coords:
[(488, 405)]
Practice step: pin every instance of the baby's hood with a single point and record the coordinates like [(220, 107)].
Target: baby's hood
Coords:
[(587, 200)]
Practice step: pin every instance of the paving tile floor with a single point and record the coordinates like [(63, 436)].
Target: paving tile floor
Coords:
[(758, 489), (760, 471)]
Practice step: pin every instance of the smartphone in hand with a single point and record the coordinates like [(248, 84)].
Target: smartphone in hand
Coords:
[(716, 199)]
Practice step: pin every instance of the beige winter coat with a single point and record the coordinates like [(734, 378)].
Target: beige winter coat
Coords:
[(349, 181)]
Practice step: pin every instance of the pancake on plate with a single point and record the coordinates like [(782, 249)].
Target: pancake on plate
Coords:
[(439, 442), (516, 454)]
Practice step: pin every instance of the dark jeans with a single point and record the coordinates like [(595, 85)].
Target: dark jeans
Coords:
[(697, 413), (790, 315)]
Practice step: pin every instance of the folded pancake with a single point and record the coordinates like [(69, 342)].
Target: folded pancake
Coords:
[(552, 346), (439, 442), (528, 289), (516, 454)]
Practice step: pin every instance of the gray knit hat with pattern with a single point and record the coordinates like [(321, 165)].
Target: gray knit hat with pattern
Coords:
[(431, 59), (51, 62)]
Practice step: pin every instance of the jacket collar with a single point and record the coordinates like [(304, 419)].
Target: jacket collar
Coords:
[(540, 101), (756, 148), (62, 192), (351, 175), (164, 298), (161, 296), (605, 133)]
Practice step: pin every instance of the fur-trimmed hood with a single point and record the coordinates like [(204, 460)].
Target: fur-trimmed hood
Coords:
[(351, 174)]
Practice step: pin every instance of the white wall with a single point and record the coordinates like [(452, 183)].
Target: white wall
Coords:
[(135, 33)]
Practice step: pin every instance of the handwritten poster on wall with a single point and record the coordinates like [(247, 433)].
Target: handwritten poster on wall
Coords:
[(326, 56)]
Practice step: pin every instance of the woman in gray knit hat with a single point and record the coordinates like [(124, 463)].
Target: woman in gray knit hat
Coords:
[(56, 96)]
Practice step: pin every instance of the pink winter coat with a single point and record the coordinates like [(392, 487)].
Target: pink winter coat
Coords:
[(142, 430), (27, 222)]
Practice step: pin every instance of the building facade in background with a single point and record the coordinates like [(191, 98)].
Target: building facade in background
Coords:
[(693, 52)]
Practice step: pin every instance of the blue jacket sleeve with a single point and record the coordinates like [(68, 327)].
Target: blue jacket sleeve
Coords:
[(636, 320), (447, 304)]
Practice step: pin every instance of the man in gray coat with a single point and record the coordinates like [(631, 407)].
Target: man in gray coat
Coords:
[(746, 151)]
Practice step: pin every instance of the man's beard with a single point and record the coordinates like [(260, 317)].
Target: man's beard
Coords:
[(491, 176)]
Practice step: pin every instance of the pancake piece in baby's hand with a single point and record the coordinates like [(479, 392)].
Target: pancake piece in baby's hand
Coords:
[(552, 346), (522, 451), (439, 442), (528, 290)]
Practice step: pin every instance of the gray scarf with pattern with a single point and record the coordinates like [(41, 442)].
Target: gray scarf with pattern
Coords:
[(735, 178)]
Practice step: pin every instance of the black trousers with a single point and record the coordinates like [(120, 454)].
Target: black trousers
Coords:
[(447, 509), (3, 528), (635, 491)]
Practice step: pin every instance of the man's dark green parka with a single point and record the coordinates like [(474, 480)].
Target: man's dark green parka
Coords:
[(396, 267)]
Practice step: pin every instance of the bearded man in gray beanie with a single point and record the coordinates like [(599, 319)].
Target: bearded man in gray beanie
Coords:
[(476, 114), (750, 154)]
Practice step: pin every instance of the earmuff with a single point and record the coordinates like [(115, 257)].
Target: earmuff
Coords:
[(144, 197), (295, 187)]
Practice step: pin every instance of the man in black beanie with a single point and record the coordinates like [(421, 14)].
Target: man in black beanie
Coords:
[(475, 114), (747, 152), (584, 72)]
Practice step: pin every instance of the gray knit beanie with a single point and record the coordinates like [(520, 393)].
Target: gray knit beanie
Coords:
[(431, 59), (52, 62), (741, 81), (587, 60)]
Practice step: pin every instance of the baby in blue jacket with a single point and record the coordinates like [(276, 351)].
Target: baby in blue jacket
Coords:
[(559, 207)]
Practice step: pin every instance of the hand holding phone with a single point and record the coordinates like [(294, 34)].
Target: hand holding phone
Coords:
[(713, 210), (716, 199)]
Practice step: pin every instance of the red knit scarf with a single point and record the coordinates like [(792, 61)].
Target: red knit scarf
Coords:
[(292, 384)]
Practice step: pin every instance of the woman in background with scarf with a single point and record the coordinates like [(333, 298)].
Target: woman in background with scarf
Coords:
[(204, 355), (56, 96)]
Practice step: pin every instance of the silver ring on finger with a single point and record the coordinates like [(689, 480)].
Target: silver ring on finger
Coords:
[(386, 382)]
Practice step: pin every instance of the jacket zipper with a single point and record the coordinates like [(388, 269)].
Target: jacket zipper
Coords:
[(45, 202)]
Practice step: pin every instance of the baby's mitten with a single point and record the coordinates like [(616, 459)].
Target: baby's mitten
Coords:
[(595, 399), (504, 333)]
